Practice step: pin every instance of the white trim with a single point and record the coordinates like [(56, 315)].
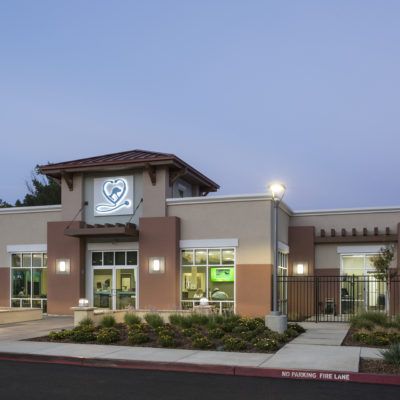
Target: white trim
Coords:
[(30, 210), (27, 248), (188, 244), (359, 249), (113, 246), (283, 248)]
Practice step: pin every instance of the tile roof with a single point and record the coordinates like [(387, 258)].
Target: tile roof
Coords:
[(124, 158)]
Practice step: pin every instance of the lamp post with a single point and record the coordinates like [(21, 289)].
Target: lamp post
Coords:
[(275, 320)]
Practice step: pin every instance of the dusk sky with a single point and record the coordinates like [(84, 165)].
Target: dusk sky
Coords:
[(306, 92)]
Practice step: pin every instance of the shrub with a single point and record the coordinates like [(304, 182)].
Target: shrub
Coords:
[(368, 319), (61, 335), (107, 335), (154, 320), (251, 323), (298, 328), (379, 338), (291, 333), (167, 340), (361, 337), (188, 332), (166, 329), (132, 319), (392, 354), (137, 337), (216, 333), (201, 342), (265, 344), (83, 335), (108, 321), (233, 344), (86, 323), (200, 319)]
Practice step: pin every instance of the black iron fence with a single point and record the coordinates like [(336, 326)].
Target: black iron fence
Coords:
[(336, 298)]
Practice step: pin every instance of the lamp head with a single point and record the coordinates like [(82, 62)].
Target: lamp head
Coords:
[(278, 191)]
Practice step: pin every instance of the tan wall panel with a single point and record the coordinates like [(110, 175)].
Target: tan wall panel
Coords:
[(4, 287), (154, 196), (283, 226), (253, 290), (64, 291), (159, 237), (24, 228), (72, 200), (248, 221), (326, 256)]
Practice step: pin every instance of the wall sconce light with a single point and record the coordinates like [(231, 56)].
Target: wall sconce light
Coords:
[(301, 269), (156, 265), (63, 266)]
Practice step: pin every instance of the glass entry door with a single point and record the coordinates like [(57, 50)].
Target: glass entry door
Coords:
[(114, 288)]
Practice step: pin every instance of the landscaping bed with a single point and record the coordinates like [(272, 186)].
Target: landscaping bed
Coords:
[(378, 367), (194, 331), (373, 329)]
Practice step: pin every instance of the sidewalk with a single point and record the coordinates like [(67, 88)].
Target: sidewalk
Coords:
[(316, 350)]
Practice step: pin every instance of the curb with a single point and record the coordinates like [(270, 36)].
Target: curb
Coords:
[(277, 373)]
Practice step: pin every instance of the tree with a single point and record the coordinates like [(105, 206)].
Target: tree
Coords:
[(4, 204), (42, 191), (383, 272)]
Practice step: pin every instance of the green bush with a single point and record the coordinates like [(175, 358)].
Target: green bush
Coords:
[(291, 333), (298, 328), (201, 342), (83, 335), (108, 321), (137, 337), (61, 335), (200, 319), (233, 344), (107, 335), (167, 340), (86, 323), (368, 319), (379, 338), (361, 337), (166, 329), (188, 332), (216, 333), (132, 319), (392, 354), (154, 320), (265, 344)]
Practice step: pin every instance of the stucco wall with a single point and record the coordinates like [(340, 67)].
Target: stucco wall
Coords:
[(247, 220), (23, 226), (349, 220)]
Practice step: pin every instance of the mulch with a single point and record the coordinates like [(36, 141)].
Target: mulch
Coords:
[(378, 367)]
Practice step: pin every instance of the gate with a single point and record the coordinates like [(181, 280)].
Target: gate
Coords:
[(336, 298)]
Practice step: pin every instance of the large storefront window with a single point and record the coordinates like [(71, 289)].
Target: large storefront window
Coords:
[(114, 279), (29, 280), (208, 273)]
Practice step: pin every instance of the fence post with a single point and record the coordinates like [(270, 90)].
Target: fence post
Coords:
[(316, 294)]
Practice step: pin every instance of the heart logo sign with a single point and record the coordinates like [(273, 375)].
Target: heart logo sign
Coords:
[(114, 193)]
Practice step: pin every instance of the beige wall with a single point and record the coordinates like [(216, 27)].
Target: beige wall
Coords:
[(327, 257), (283, 226), (247, 220), (154, 196), (72, 200), (348, 221), (23, 227)]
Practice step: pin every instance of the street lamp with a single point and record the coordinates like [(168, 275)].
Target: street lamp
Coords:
[(275, 320)]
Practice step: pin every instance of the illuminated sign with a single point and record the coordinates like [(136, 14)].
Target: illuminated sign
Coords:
[(113, 196)]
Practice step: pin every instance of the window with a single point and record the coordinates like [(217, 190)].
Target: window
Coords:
[(208, 273), (29, 280), (111, 258), (282, 283)]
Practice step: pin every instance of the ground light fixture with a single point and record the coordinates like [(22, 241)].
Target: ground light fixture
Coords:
[(275, 320)]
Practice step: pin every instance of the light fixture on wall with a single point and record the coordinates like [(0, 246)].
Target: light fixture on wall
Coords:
[(301, 268), (156, 265), (63, 266), (83, 303)]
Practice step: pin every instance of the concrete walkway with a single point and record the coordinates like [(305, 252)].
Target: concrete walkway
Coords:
[(317, 349)]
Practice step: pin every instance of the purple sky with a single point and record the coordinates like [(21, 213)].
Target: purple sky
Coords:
[(246, 91)]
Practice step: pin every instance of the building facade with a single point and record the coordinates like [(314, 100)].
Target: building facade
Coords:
[(137, 229)]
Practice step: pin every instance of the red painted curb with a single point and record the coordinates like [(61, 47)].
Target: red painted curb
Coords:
[(311, 375)]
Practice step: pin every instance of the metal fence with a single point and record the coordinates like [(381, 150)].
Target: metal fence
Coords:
[(336, 298)]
